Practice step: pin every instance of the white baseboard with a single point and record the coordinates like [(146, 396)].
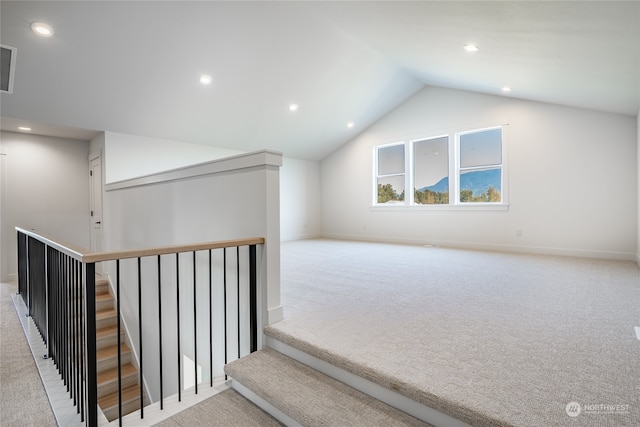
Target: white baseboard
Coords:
[(275, 315), (497, 247), (303, 236)]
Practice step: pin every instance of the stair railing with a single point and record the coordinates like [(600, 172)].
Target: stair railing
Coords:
[(57, 282)]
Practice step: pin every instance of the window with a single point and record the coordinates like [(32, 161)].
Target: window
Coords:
[(460, 169), (431, 171), (480, 166), (390, 174)]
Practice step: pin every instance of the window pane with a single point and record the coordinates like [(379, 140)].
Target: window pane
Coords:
[(482, 148), (391, 189), (481, 185), (431, 171), (391, 160)]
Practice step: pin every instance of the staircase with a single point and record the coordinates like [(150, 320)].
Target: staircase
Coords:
[(298, 395), (107, 358)]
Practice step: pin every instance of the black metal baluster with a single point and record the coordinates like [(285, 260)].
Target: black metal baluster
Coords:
[(90, 321), (160, 328), (74, 318), (253, 297), (82, 347), (140, 337), (195, 324), (80, 344), (210, 325), (65, 305), (178, 320), (119, 344), (224, 286), (238, 293)]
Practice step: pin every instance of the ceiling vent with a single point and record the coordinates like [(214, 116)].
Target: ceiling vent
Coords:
[(7, 68)]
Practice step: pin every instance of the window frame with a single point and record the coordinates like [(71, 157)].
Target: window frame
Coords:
[(459, 168), (412, 174), (453, 153), (377, 176)]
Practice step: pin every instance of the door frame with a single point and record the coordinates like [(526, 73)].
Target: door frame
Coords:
[(96, 233)]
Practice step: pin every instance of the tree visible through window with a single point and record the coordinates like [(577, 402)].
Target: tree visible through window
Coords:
[(390, 174), (480, 167), (431, 171), (457, 169)]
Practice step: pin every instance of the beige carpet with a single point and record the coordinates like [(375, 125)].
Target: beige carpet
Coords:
[(23, 401), (226, 409), (311, 398), (489, 338)]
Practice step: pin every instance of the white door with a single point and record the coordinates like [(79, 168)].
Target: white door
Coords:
[(95, 176)]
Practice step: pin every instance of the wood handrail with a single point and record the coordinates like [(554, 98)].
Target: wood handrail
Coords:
[(85, 256), (164, 250)]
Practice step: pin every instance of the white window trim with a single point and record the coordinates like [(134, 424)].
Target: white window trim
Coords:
[(457, 169), (454, 183), (374, 199)]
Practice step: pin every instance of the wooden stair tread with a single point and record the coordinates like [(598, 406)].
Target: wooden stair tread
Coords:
[(103, 296), (112, 351), (128, 394), (107, 331), (112, 374), (105, 314)]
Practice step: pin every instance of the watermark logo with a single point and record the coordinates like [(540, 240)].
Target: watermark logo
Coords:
[(573, 409)]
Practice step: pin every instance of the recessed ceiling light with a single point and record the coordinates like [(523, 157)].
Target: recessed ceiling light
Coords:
[(205, 79), (293, 107), (42, 29), (350, 125), (506, 89), (24, 128), (471, 48)]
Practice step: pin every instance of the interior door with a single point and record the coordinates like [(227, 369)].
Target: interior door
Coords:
[(95, 176)]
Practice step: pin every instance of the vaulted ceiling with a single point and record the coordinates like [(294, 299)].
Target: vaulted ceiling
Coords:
[(134, 67)]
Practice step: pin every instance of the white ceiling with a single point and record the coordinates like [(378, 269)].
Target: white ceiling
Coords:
[(133, 67)]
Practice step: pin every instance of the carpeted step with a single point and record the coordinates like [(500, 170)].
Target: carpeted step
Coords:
[(228, 409), (310, 397)]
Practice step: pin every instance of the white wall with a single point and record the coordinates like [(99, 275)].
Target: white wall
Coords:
[(300, 199), (45, 186), (130, 156), (572, 179), (638, 188), (237, 198)]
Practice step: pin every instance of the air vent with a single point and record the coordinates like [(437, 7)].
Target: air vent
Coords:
[(7, 68)]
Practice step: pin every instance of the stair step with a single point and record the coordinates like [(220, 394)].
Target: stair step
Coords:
[(310, 397), (130, 402), (104, 301), (108, 380), (108, 336), (102, 286), (111, 351), (107, 357), (105, 318)]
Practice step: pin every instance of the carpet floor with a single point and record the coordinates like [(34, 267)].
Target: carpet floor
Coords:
[(23, 400), (226, 409), (489, 338)]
